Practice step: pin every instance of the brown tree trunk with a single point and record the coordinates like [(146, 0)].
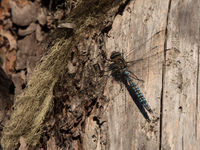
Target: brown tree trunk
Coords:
[(72, 101)]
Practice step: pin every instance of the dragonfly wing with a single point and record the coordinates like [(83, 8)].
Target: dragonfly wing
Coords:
[(143, 44), (134, 61), (134, 76), (145, 59)]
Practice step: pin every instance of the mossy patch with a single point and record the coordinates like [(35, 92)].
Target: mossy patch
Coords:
[(34, 105)]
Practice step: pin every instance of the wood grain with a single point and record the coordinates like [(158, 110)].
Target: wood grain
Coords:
[(171, 78), (180, 118), (142, 25)]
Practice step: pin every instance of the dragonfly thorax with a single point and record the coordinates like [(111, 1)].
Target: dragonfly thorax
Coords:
[(115, 54), (118, 60)]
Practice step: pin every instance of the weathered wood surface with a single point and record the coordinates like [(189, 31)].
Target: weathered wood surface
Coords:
[(166, 35), (180, 118), (143, 23), (169, 29)]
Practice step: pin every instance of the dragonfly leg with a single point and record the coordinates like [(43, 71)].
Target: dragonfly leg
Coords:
[(135, 77)]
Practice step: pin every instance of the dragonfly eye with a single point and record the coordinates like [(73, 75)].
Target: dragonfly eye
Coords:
[(114, 54)]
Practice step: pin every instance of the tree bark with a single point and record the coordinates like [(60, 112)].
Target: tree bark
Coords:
[(76, 104)]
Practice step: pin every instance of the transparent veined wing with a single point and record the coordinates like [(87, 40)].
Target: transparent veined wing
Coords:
[(140, 53), (147, 55), (142, 44)]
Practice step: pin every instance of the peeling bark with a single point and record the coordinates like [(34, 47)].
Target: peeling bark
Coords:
[(72, 102)]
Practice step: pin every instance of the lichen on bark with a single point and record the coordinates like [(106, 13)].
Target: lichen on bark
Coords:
[(34, 106)]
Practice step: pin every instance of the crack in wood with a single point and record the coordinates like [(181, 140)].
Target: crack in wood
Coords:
[(197, 94), (163, 75)]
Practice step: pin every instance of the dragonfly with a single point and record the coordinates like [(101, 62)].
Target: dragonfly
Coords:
[(120, 69)]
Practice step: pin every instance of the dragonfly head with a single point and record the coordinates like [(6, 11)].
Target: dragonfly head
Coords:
[(114, 54)]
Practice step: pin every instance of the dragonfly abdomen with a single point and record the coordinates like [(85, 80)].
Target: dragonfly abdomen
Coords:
[(137, 91)]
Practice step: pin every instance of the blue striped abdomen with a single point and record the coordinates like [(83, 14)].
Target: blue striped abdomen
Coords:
[(137, 91)]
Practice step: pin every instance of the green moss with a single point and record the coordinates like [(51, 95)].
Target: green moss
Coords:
[(33, 106), (35, 103)]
